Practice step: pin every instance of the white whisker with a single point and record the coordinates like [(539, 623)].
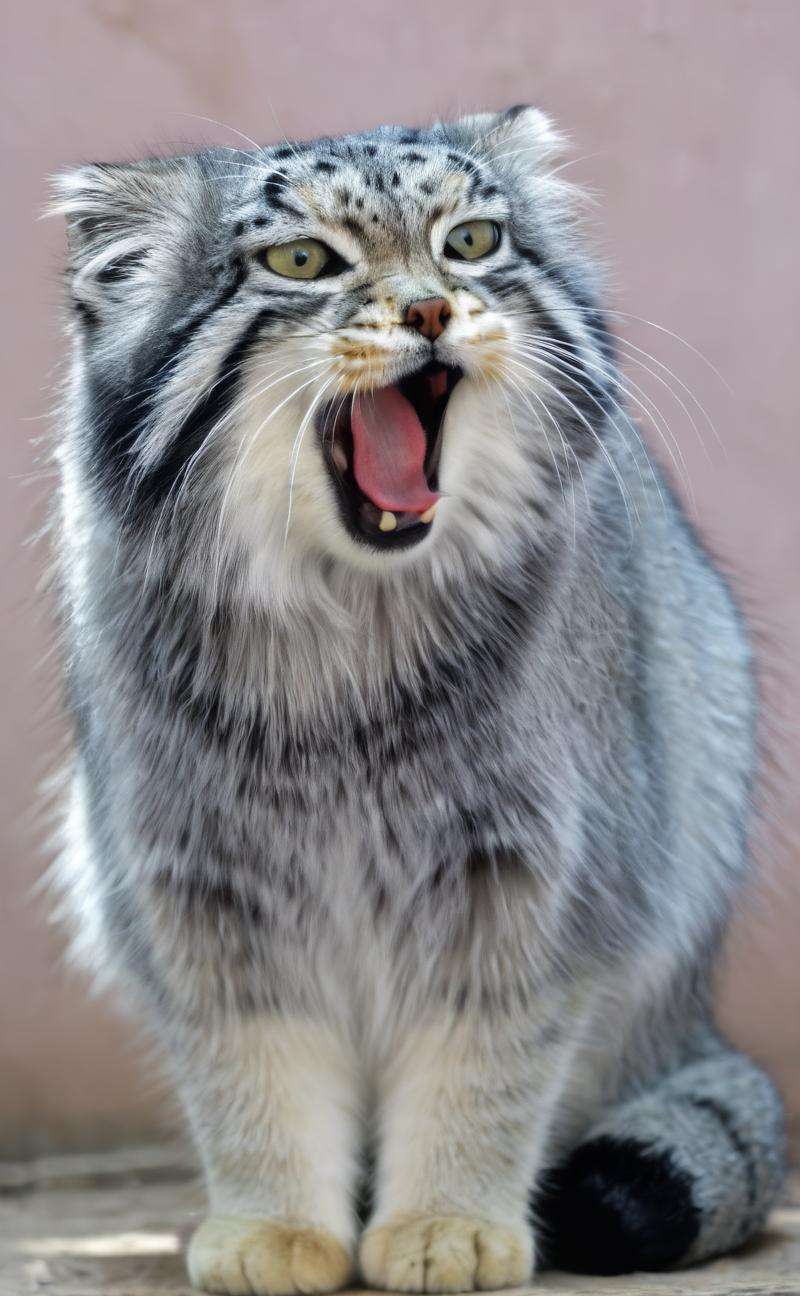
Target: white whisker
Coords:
[(592, 432), (245, 447), (295, 455), (564, 366)]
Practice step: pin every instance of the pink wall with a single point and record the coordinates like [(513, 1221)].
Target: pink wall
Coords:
[(685, 121)]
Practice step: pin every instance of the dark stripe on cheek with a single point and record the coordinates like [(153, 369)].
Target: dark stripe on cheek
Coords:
[(581, 386), (595, 322), (528, 254), (582, 303), (119, 407), (217, 400), (211, 407)]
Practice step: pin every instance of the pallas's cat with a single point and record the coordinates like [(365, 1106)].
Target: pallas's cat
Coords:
[(414, 728)]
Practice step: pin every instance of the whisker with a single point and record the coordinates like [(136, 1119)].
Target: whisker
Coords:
[(212, 121), (640, 351), (229, 416), (626, 345), (650, 410), (562, 368), (236, 409), (527, 396), (592, 432), (677, 338), (295, 456), (541, 428), (245, 447), (529, 351)]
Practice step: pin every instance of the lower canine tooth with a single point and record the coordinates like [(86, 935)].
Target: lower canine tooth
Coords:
[(339, 458), (427, 516), (388, 521)]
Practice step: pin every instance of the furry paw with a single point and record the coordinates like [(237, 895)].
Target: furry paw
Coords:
[(445, 1253), (250, 1257)]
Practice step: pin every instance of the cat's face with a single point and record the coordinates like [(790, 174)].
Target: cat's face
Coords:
[(345, 348)]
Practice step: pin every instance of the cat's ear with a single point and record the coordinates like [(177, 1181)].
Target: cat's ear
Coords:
[(124, 221), (521, 134)]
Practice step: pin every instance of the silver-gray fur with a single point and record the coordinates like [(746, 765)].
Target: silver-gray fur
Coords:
[(430, 847)]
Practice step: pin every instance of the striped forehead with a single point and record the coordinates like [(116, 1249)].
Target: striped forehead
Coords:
[(369, 187)]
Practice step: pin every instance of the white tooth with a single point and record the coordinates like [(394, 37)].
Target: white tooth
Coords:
[(388, 521), (339, 457), (427, 516)]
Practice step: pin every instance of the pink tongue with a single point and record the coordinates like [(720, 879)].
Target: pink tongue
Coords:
[(389, 452)]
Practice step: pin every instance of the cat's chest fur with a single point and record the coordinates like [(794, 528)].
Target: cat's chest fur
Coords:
[(381, 843), (260, 746), (376, 804)]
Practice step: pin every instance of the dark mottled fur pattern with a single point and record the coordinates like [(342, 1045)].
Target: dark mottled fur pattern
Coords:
[(430, 848)]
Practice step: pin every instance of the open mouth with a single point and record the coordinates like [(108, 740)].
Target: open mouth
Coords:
[(382, 449)]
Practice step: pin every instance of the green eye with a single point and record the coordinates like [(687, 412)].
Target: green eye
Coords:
[(304, 258), (472, 240)]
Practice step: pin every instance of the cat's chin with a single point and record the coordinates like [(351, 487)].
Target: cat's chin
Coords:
[(373, 520)]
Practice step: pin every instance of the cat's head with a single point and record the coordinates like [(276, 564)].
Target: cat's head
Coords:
[(368, 348)]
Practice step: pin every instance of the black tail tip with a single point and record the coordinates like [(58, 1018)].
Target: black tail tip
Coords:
[(616, 1206)]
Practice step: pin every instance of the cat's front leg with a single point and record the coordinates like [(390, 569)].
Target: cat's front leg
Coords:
[(466, 1106), (272, 1103)]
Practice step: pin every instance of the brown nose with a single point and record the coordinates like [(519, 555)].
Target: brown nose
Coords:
[(428, 316)]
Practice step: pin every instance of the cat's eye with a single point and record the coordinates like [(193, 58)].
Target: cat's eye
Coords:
[(472, 240), (303, 258)]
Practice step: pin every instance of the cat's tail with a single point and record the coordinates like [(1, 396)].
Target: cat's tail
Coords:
[(685, 1170)]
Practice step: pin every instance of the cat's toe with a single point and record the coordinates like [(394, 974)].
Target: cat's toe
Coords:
[(445, 1253), (250, 1257)]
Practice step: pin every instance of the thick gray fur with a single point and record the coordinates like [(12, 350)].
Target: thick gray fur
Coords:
[(471, 816)]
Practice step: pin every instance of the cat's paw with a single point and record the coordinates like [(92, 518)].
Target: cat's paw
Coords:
[(446, 1253), (250, 1257)]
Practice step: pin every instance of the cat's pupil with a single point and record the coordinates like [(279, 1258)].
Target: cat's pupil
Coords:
[(468, 238), (300, 258)]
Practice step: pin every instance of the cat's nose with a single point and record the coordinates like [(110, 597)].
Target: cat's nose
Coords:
[(428, 316)]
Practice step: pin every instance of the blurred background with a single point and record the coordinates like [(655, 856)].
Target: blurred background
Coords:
[(685, 126)]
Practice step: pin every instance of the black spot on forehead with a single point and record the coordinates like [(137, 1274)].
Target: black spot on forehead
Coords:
[(425, 187), (274, 192), (413, 157), (274, 186), (371, 150), (465, 164), (327, 167), (395, 180), (284, 153)]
